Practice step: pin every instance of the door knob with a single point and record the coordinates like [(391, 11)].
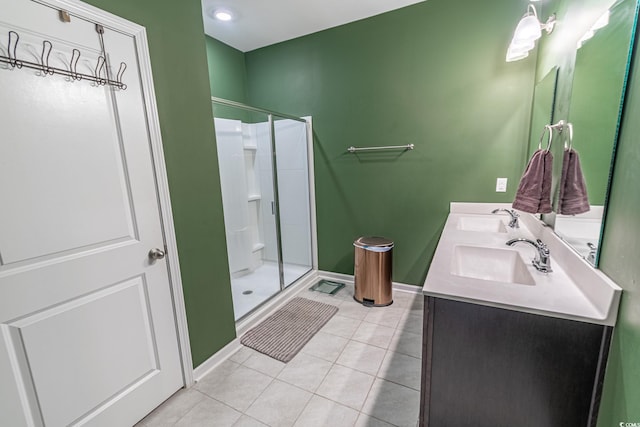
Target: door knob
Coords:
[(156, 253)]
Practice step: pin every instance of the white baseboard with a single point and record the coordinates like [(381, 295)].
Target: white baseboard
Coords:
[(404, 287), (347, 278), (339, 277), (211, 363)]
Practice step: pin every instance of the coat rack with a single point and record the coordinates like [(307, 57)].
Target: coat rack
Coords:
[(44, 67)]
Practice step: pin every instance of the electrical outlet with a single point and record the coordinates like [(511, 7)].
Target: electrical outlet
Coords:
[(501, 185)]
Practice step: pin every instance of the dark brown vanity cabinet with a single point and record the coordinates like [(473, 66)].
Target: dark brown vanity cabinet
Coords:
[(490, 367)]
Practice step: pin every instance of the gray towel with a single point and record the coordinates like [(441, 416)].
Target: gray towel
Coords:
[(573, 198), (534, 191)]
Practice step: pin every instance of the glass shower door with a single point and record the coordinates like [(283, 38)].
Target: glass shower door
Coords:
[(264, 168), (292, 161)]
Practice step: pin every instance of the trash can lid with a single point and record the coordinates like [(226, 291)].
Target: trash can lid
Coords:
[(373, 243)]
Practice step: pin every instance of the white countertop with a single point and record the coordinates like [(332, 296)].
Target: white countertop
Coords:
[(573, 290)]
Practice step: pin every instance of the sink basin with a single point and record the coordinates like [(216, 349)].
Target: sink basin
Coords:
[(477, 223), (497, 265)]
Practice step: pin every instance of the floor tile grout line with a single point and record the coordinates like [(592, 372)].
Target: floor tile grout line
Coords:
[(258, 397), (206, 396), (358, 370), (324, 376), (302, 412), (380, 419), (398, 384), (222, 403), (248, 416), (273, 377), (336, 335), (370, 415)]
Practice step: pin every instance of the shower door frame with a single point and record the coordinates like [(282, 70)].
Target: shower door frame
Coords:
[(307, 120)]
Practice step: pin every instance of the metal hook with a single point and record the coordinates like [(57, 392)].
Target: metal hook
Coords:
[(99, 68), (550, 140), (73, 65), (121, 71), (570, 147), (13, 61), (44, 57), (560, 126)]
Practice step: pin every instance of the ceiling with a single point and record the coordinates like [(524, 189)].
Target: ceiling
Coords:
[(259, 23)]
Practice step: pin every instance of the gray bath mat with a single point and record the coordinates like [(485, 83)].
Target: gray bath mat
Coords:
[(286, 331)]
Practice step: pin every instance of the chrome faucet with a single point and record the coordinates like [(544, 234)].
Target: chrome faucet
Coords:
[(514, 216), (542, 261)]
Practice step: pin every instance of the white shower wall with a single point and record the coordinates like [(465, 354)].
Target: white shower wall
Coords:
[(245, 159), (233, 180)]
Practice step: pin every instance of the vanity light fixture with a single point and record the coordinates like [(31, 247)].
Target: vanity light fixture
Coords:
[(529, 30)]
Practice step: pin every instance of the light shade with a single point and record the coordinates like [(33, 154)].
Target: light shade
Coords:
[(519, 49), (522, 44), (528, 29), (515, 54)]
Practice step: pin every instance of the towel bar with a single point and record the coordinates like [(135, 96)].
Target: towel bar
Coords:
[(353, 149)]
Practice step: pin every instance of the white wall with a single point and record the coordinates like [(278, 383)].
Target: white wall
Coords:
[(233, 180)]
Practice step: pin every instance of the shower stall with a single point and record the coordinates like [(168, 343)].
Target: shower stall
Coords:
[(265, 163)]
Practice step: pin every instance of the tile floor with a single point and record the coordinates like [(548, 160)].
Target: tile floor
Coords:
[(361, 369)]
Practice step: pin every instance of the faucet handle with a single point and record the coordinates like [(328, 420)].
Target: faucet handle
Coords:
[(542, 261), (542, 247)]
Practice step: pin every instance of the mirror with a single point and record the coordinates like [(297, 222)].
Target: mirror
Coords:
[(542, 108), (597, 85)]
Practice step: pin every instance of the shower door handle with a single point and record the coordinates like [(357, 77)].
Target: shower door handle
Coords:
[(273, 208)]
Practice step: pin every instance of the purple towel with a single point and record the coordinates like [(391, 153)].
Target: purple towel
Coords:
[(573, 198), (534, 191)]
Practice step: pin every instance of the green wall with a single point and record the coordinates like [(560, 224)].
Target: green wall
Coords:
[(227, 71), (432, 74), (619, 260), (177, 48)]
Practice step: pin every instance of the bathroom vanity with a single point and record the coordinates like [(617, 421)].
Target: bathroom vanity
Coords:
[(505, 344)]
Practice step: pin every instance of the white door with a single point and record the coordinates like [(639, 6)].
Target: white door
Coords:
[(87, 327)]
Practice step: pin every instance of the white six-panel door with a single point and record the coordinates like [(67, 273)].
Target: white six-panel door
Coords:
[(87, 327)]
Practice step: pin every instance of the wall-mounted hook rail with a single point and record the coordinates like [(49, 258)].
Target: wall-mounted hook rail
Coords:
[(353, 149), (72, 72)]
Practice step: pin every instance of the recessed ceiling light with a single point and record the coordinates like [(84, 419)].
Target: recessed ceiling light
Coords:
[(222, 15)]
